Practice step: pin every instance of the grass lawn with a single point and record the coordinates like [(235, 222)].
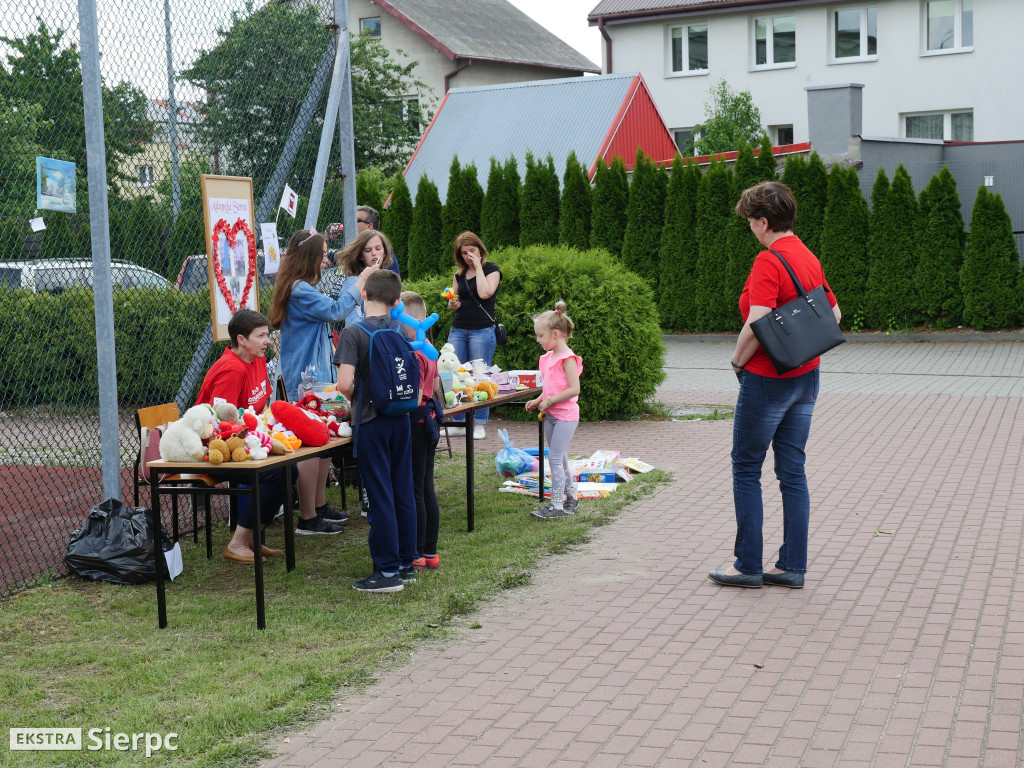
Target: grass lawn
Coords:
[(90, 655)]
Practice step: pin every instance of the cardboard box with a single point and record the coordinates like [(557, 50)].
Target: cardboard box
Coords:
[(596, 476), (528, 379)]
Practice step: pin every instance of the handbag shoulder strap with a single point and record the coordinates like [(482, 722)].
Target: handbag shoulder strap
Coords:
[(493, 321), (799, 288)]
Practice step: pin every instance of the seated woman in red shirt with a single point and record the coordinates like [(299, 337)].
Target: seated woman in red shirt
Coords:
[(239, 377)]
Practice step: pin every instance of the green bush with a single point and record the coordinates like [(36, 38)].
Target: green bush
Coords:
[(608, 206), (499, 216), (892, 295), (716, 309), (397, 218), (811, 196), (645, 215), (368, 190), (940, 252), (989, 276), (742, 245), (538, 203), (425, 236), (574, 214), (843, 251), (678, 254)]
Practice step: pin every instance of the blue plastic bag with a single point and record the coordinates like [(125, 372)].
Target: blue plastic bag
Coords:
[(512, 461)]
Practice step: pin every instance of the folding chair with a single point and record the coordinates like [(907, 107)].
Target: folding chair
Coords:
[(148, 422)]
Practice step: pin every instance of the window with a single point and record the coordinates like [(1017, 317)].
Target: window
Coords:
[(780, 134), (684, 139), (855, 33), (948, 25), (774, 41), (146, 175), (370, 26), (688, 48), (948, 126)]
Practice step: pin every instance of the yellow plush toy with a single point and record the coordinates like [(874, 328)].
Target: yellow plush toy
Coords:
[(232, 449), (489, 387)]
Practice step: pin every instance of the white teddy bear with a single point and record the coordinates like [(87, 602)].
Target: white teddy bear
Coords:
[(447, 360), (183, 439), (257, 452)]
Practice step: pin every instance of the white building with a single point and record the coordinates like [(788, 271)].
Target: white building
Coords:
[(931, 69)]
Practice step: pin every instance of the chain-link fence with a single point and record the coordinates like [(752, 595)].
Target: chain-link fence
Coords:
[(234, 88)]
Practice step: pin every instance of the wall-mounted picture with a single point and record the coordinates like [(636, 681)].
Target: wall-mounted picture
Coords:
[(230, 248), (55, 185)]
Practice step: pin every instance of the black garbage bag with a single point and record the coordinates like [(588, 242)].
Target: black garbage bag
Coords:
[(115, 544)]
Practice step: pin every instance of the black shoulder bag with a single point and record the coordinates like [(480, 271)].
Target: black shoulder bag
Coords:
[(500, 334), (798, 331)]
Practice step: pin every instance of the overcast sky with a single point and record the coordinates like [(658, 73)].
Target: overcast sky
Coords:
[(568, 20)]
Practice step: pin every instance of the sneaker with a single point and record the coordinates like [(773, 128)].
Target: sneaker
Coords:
[(455, 431), (420, 564), (280, 512), (317, 525), (364, 503), (378, 582), (549, 513), (331, 515), (407, 574), (431, 562), (479, 433), (571, 505)]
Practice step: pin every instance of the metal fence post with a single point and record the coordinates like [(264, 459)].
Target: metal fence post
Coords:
[(103, 296), (172, 118), (345, 123)]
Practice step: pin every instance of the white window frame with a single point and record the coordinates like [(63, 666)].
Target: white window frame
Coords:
[(947, 122), (832, 34), (693, 137), (773, 134), (770, 43), (685, 37), (379, 26), (147, 177), (958, 30)]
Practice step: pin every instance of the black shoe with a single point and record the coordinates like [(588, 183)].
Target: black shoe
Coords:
[(317, 525), (378, 582), (751, 581), (407, 575), (784, 579), (331, 515)]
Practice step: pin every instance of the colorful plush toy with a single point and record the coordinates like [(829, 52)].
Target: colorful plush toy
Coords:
[(183, 439), (448, 360), (489, 387), (307, 427), (254, 444), (312, 403)]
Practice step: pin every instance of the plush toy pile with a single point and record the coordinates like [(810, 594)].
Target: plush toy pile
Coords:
[(466, 388), (223, 433)]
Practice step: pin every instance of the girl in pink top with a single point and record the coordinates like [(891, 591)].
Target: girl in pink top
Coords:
[(561, 369)]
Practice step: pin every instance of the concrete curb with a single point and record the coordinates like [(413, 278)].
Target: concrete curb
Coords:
[(867, 338)]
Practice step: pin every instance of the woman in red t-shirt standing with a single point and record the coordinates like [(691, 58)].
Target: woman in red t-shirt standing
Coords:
[(772, 409)]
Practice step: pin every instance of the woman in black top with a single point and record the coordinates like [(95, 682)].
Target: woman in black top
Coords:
[(476, 287)]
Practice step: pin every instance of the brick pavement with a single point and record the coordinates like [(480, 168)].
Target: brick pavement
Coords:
[(904, 649)]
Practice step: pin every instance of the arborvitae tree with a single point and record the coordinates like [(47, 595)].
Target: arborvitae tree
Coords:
[(940, 252), (716, 310), (767, 165), (574, 213), (424, 256), (678, 254), (499, 217), (989, 275), (877, 232), (645, 213), (608, 206), (892, 297), (538, 203), (474, 198), (810, 203), (397, 220), (843, 250), (792, 173), (743, 246), (461, 209), (368, 190)]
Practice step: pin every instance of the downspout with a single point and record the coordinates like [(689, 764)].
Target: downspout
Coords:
[(607, 46), (455, 71)]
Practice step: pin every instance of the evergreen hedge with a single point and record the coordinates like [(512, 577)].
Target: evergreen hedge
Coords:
[(940, 252), (645, 215), (424, 257), (742, 245), (538, 203), (368, 191), (574, 210), (844, 244), (990, 270), (678, 253), (396, 222), (608, 206), (891, 290), (717, 308)]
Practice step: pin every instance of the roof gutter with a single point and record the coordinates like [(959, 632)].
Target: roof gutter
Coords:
[(607, 46), (454, 72), (689, 10)]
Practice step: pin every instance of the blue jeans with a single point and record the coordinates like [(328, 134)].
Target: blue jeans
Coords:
[(474, 345), (776, 412), (385, 466)]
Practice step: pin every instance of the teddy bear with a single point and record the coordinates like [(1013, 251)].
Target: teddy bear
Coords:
[(183, 439), (447, 360), (258, 449), (232, 449)]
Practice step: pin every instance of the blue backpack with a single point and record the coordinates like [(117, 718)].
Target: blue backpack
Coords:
[(394, 384)]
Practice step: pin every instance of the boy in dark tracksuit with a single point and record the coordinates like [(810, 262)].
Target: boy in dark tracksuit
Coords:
[(383, 445)]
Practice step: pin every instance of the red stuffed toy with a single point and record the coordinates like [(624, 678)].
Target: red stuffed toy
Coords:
[(310, 402), (307, 427)]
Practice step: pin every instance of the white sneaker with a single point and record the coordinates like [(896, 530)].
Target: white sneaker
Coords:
[(479, 433), (455, 431)]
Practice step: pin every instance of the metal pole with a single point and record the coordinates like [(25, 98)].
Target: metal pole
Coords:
[(272, 194), (345, 129), (100, 225), (323, 156), (172, 125)]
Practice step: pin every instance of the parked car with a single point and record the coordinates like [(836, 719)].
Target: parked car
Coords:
[(56, 275), (193, 277)]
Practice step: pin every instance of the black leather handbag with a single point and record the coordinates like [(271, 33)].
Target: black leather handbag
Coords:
[(798, 331)]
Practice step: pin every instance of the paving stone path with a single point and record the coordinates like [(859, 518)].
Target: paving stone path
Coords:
[(906, 648)]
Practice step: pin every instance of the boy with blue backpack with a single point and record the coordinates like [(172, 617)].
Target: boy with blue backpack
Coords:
[(378, 373)]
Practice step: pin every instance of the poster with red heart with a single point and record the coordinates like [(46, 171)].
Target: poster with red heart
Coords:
[(230, 248)]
